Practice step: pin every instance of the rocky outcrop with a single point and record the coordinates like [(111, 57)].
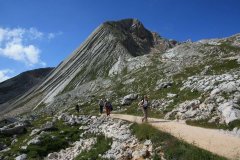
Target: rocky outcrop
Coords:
[(223, 94), (160, 104), (72, 152), (124, 144), (21, 157), (48, 126), (127, 100), (229, 111), (186, 110), (15, 128), (163, 84)]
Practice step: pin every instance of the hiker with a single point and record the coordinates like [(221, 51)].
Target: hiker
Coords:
[(144, 105), (108, 106), (101, 105), (77, 108)]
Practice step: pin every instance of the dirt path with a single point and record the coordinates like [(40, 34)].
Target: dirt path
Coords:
[(209, 139)]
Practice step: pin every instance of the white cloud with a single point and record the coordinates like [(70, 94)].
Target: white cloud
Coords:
[(17, 44), (29, 54), (4, 74), (35, 33), (53, 35)]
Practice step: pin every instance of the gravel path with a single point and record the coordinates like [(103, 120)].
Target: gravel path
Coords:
[(210, 139)]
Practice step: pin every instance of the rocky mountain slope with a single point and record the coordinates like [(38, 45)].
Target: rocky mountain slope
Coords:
[(15, 87), (109, 43), (122, 60)]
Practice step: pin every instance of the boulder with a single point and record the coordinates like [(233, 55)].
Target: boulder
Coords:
[(229, 111), (64, 117), (189, 110), (228, 87), (162, 85), (14, 141), (72, 121), (171, 95), (13, 129), (35, 131), (156, 103), (23, 147), (127, 100), (35, 140), (21, 157), (48, 126), (148, 143), (214, 92), (52, 156)]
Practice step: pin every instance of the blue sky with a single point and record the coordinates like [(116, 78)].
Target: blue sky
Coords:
[(42, 33)]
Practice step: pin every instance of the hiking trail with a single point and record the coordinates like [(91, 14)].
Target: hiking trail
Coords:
[(209, 139)]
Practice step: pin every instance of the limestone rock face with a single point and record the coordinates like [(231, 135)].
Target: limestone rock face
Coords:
[(21, 157), (229, 111), (14, 129), (95, 57)]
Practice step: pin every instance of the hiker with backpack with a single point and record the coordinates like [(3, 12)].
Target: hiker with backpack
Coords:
[(77, 108), (144, 106), (108, 107), (101, 105)]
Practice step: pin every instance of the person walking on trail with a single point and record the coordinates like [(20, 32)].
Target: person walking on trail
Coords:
[(144, 106), (101, 105), (77, 108), (108, 107)]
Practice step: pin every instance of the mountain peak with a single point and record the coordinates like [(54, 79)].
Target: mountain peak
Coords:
[(136, 38), (128, 23), (133, 26)]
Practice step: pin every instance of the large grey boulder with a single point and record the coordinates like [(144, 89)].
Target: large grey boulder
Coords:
[(228, 87), (21, 157), (215, 92), (229, 111), (48, 126), (35, 140), (127, 100), (64, 117), (35, 131), (162, 85), (12, 129)]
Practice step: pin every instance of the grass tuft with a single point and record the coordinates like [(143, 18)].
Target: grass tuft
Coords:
[(205, 124)]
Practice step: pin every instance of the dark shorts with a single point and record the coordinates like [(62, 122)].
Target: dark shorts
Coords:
[(101, 109)]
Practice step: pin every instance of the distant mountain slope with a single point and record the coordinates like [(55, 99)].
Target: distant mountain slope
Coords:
[(17, 86)]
